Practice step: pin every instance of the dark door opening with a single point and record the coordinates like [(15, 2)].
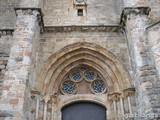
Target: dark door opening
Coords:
[(84, 111)]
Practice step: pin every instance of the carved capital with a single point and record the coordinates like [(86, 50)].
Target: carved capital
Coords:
[(32, 11), (129, 92), (134, 11), (114, 96), (54, 98), (5, 32), (35, 94), (46, 98)]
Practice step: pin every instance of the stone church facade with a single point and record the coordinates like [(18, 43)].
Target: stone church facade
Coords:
[(58, 56)]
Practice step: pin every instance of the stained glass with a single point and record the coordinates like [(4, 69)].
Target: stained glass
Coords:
[(89, 75), (76, 76), (98, 86), (68, 87)]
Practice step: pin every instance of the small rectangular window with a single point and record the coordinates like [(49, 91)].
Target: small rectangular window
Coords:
[(80, 12)]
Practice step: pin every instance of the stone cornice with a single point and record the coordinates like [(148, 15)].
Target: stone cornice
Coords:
[(31, 11), (98, 28), (133, 10), (5, 32)]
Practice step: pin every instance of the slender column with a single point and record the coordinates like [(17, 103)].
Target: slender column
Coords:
[(52, 110), (46, 99), (45, 110), (128, 93), (115, 109), (129, 104), (54, 101), (35, 95), (122, 108), (114, 97), (37, 109)]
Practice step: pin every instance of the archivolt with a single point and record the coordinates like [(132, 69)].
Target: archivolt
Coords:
[(60, 63)]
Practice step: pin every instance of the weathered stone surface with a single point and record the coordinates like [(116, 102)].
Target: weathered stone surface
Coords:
[(121, 52)]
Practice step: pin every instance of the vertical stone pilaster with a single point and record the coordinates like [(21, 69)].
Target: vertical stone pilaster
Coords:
[(136, 21), (154, 42), (16, 99)]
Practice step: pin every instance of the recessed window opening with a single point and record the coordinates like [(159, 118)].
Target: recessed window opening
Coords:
[(80, 12)]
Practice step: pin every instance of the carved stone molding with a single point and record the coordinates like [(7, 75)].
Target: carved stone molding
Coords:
[(83, 28), (35, 94), (32, 11), (129, 92), (4, 113), (114, 96), (5, 32), (133, 10), (154, 26)]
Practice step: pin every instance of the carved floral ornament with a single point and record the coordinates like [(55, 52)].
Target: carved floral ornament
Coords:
[(70, 84)]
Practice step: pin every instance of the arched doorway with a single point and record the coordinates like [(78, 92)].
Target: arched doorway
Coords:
[(83, 72), (84, 111)]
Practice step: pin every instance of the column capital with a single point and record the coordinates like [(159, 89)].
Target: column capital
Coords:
[(32, 11), (135, 11), (129, 92), (35, 94), (114, 96)]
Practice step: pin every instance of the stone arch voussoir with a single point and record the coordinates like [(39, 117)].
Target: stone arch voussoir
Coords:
[(106, 62)]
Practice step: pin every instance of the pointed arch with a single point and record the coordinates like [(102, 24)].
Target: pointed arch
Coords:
[(55, 68)]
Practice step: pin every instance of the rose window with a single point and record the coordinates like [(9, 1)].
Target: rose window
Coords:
[(98, 86), (68, 87), (81, 79)]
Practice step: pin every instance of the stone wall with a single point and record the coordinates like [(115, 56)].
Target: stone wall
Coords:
[(155, 11), (50, 43), (99, 12), (7, 13), (5, 45)]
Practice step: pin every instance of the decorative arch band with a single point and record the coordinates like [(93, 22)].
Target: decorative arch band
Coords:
[(102, 60)]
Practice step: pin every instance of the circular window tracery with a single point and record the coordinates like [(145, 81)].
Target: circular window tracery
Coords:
[(90, 75), (68, 87), (98, 86), (84, 76), (76, 75)]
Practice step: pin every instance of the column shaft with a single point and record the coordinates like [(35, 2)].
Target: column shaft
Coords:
[(115, 109), (122, 108), (129, 104), (37, 109)]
